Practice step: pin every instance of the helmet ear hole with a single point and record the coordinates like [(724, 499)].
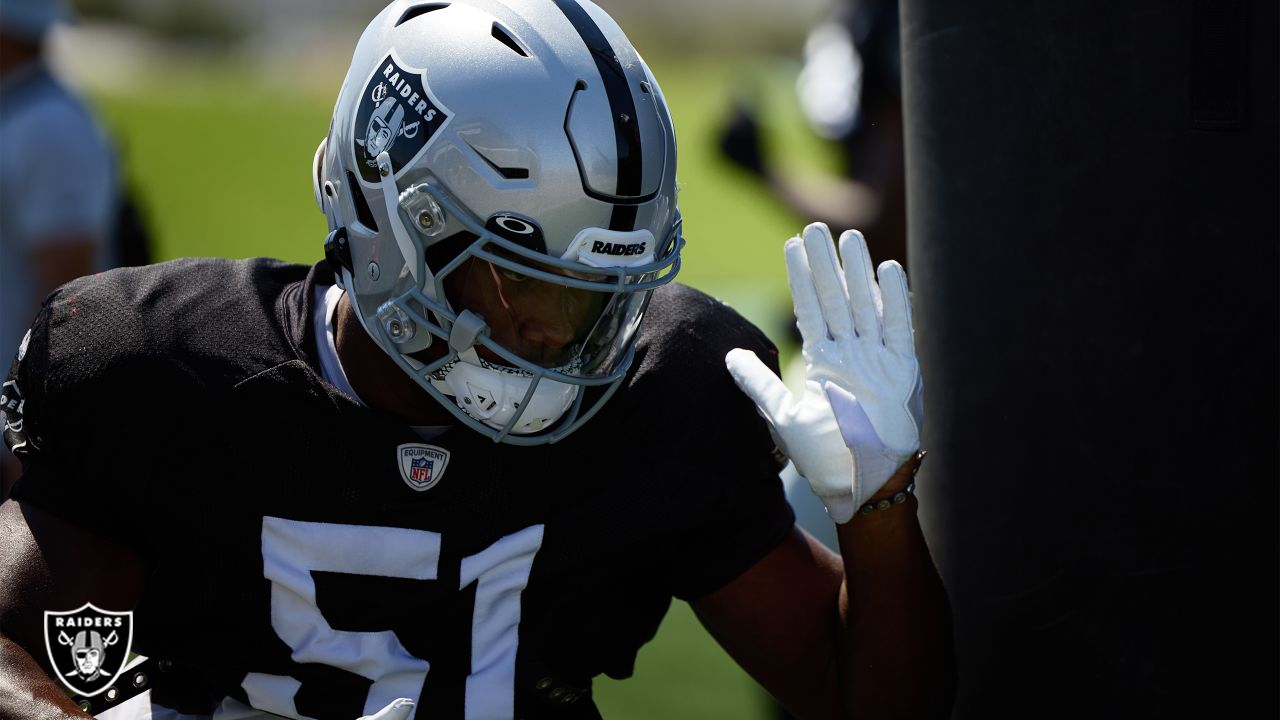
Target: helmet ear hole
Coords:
[(363, 213)]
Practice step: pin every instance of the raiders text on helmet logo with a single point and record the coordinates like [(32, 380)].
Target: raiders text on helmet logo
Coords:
[(88, 647), (396, 115), (422, 466)]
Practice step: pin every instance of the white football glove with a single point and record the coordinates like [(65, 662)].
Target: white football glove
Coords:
[(859, 417), (399, 709)]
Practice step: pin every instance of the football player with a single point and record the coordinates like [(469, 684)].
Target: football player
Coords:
[(461, 467)]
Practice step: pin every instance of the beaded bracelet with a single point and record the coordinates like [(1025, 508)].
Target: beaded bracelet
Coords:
[(899, 498)]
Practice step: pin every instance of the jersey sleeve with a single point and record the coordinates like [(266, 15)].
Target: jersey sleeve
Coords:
[(745, 513), (81, 414), (721, 471)]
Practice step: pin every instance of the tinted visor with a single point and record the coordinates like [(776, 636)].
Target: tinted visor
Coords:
[(545, 315)]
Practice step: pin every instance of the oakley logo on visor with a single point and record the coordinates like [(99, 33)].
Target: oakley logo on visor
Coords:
[(518, 230)]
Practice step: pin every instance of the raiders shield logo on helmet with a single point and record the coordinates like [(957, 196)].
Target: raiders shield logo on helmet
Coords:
[(88, 646), (397, 115)]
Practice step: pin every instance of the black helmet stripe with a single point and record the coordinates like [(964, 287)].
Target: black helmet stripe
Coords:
[(622, 105), (624, 218)]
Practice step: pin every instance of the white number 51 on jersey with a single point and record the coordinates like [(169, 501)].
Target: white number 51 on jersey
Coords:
[(293, 549)]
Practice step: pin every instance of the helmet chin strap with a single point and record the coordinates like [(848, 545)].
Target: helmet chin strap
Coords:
[(510, 401), (494, 396)]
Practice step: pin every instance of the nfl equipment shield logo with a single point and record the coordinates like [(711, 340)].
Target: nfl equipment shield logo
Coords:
[(88, 647), (422, 466)]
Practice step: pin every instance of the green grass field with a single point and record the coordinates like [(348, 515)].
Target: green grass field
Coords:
[(222, 165)]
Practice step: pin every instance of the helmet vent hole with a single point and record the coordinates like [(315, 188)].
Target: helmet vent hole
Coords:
[(363, 213), (504, 36), (507, 173), (418, 10)]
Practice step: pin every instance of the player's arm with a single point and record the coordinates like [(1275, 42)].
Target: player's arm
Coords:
[(47, 563), (867, 634), (865, 637)]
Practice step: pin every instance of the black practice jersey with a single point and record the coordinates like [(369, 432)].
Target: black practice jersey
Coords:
[(293, 566)]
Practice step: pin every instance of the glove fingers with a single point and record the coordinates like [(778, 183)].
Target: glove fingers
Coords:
[(805, 299), (898, 335), (864, 294), (828, 282), (759, 383)]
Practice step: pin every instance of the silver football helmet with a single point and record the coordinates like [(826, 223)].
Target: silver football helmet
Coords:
[(499, 183)]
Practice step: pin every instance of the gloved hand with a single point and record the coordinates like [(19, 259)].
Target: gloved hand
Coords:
[(399, 709), (859, 417)]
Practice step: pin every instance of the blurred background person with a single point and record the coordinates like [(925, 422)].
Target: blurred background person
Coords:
[(850, 91), (58, 190)]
